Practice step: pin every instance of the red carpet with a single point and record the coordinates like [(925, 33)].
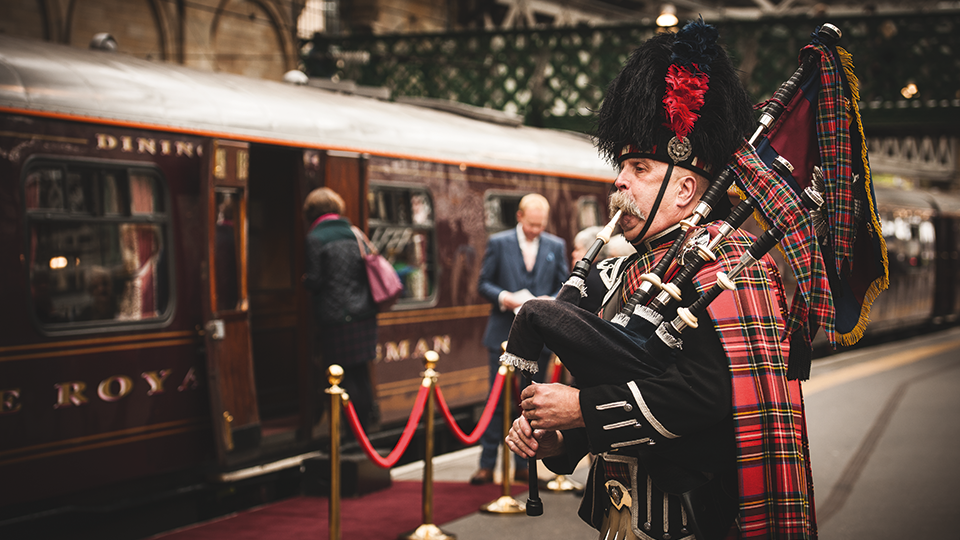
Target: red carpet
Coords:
[(382, 515)]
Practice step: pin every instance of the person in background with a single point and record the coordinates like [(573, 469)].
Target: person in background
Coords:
[(581, 243), (225, 255), (103, 304), (518, 264), (616, 247), (344, 312)]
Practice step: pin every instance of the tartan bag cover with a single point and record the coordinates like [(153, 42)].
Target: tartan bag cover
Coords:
[(856, 256), (780, 206), (775, 479)]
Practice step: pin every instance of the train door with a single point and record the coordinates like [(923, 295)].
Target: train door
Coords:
[(279, 319), (289, 388), (233, 399), (345, 173)]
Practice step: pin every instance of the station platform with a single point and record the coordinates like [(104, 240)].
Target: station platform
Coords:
[(883, 435)]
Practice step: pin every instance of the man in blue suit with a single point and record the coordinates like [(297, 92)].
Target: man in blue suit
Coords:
[(518, 264)]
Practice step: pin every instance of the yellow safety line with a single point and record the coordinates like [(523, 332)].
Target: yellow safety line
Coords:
[(872, 367)]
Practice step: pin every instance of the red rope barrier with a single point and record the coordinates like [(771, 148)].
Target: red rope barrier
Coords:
[(557, 372), (394, 456), (484, 418)]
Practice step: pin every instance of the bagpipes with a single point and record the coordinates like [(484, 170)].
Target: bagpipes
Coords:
[(637, 342)]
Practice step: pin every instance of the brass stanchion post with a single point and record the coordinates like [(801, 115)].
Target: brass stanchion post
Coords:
[(505, 504), (337, 396), (562, 483), (427, 530)]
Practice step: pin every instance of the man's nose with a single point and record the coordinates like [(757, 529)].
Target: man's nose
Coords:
[(621, 182)]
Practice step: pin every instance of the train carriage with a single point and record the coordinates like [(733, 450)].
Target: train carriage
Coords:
[(919, 228), (154, 323), (154, 320)]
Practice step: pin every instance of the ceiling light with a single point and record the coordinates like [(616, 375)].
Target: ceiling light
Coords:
[(909, 90), (668, 16)]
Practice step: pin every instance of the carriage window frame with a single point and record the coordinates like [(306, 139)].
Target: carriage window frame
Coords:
[(95, 212), (415, 223), (493, 201), (589, 206)]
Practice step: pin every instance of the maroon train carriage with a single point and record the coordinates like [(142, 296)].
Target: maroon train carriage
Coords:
[(154, 323), (922, 232)]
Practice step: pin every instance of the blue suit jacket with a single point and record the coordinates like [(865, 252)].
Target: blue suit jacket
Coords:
[(503, 269)]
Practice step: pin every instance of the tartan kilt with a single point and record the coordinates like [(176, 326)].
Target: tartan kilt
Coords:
[(346, 344)]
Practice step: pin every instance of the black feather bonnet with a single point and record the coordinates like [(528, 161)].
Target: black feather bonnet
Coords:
[(678, 99)]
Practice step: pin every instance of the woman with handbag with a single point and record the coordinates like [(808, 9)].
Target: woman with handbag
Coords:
[(344, 310)]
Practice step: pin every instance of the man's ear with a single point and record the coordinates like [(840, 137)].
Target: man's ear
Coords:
[(686, 190)]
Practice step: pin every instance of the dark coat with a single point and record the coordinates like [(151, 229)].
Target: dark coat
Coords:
[(503, 269), (336, 275)]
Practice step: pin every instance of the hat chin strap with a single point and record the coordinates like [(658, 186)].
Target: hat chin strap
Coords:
[(656, 206)]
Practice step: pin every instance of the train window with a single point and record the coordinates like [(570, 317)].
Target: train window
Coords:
[(97, 245), (225, 253), (145, 195), (402, 227), (500, 210), (588, 212)]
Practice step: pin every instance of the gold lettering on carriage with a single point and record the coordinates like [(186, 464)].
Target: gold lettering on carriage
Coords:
[(116, 387), (397, 351), (110, 389), (147, 145), (10, 400)]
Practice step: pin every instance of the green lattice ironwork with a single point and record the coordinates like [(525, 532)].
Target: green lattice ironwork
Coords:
[(556, 77)]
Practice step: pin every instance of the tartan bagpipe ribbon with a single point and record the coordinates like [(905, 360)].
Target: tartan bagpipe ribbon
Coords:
[(781, 206), (821, 126)]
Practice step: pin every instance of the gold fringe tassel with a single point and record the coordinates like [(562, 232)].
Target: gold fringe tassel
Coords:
[(881, 283)]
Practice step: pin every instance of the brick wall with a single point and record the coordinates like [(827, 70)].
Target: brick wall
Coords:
[(394, 16), (249, 37)]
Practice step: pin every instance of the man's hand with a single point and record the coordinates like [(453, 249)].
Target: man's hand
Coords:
[(551, 406), (510, 301), (524, 441)]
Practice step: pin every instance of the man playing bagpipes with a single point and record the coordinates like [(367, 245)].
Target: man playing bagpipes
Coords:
[(701, 439)]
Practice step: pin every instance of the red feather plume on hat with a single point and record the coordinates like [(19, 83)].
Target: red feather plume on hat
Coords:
[(684, 97)]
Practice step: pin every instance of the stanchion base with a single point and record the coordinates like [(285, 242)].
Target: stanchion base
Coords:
[(428, 531), (504, 505), (562, 483)]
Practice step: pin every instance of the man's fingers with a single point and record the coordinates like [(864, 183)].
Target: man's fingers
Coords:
[(522, 425), (517, 446), (521, 439)]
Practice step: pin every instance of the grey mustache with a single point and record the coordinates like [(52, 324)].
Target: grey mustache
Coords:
[(621, 200)]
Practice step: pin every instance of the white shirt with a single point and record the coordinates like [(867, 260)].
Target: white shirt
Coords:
[(529, 248)]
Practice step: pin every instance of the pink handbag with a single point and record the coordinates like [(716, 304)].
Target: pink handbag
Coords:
[(385, 284)]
